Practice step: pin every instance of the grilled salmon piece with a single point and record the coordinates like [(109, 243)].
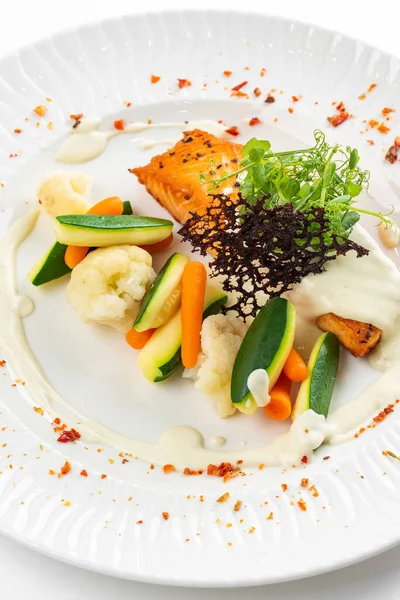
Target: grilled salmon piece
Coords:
[(358, 338), (173, 178)]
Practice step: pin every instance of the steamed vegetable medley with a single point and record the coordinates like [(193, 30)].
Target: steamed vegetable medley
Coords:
[(173, 319)]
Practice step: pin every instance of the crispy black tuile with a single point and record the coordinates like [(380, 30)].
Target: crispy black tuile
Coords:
[(263, 250)]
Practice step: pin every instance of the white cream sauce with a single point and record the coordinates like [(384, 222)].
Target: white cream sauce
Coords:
[(184, 446), (365, 289), (258, 384), (85, 142)]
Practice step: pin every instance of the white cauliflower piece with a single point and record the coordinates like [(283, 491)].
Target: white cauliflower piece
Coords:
[(108, 285), (65, 194), (221, 336)]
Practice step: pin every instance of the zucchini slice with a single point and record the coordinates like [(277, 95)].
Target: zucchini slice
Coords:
[(316, 391), (50, 267), (266, 345), (161, 356), (110, 230), (164, 297)]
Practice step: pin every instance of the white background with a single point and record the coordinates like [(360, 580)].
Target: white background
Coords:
[(24, 574)]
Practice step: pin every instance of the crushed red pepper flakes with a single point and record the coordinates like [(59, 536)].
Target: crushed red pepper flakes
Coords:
[(270, 517), (370, 142), (383, 414), (269, 99), (372, 87), (57, 421), (341, 107), (238, 505), (291, 110), (390, 453), (165, 516), (2, 363), (83, 473), (254, 121), (262, 72), (233, 131), (139, 522), (284, 487), (397, 141), (119, 124), (362, 96), (224, 497), (40, 110), (383, 128), (221, 470), (154, 79), (51, 472), (103, 476), (295, 99), (38, 410), (337, 120), (304, 482), (76, 117), (302, 505), (314, 491), (304, 459), (69, 436), (227, 73), (168, 469), (65, 469), (261, 467), (239, 94), (191, 472), (17, 130), (387, 111), (257, 92), (184, 83), (239, 86)]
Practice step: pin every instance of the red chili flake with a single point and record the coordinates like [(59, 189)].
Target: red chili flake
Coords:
[(295, 99), (291, 110), (221, 470), (269, 99), (83, 473), (119, 124), (76, 117), (341, 107), (168, 468), (224, 497), (338, 119), (314, 491), (190, 472), (371, 142), (257, 92), (154, 78), (151, 466), (373, 123), (270, 517), (237, 506), (362, 97), (184, 83), (40, 110), (66, 468), (383, 414), (51, 472), (139, 522), (304, 482), (239, 462), (233, 130), (239, 86), (239, 94), (247, 68), (39, 410), (165, 516), (261, 467), (383, 128), (397, 142), (284, 487), (2, 363), (304, 459), (57, 421), (69, 436), (302, 505), (387, 111), (262, 72), (17, 130), (227, 73), (103, 476), (326, 458), (254, 121), (371, 87)]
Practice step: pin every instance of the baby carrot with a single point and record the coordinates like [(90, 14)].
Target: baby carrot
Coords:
[(138, 340), (159, 246), (295, 368), (109, 206), (279, 407), (194, 281)]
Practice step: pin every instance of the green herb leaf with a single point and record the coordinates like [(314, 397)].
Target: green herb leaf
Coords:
[(255, 143), (350, 219)]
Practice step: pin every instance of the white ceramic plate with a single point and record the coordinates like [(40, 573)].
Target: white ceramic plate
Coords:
[(93, 522)]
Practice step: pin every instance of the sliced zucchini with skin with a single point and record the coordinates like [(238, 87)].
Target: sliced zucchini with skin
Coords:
[(316, 391), (164, 297), (266, 345), (50, 267), (161, 356), (110, 230)]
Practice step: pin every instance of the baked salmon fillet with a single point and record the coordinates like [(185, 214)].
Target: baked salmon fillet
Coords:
[(173, 178), (358, 338)]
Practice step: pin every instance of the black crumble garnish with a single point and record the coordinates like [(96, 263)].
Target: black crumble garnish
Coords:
[(76, 124), (160, 165), (172, 153), (263, 251), (199, 154), (218, 166), (187, 140)]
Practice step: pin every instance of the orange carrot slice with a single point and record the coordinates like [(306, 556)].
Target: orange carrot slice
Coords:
[(138, 340), (194, 281), (279, 407), (159, 246), (109, 206), (295, 368)]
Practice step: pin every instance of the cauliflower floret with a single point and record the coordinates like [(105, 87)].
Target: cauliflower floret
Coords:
[(65, 194), (221, 336), (108, 285)]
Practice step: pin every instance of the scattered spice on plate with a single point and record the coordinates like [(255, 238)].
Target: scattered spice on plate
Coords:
[(382, 128), (262, 72), (65, 469), (254, 121), (191, 472), (224, 497), (373, 123), (184, 83), (269, 99), (154, 79), (387, 111), (165, 516), (304, 482), (168, 469), (233, 131), (227, 73), (295, 99), (370, 142), (304, 459), (389, 453), (238, 505), (302, 505), (17, 130), (2, 363), (103, 476), (257, 92), (38, 410), (221, 470), (239, 86), (252, 529), (40, 110), (372, 87), (338, 119), (139, 522), (291, 110), (270, 517), (119, 124), (383, 414), (76, 117), (83, 473), (284, 487), (314, 491), (326, 458), (69, 436), (239, 94)]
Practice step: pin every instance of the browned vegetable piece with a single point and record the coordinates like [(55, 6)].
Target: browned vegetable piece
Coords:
[(358, 338)]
